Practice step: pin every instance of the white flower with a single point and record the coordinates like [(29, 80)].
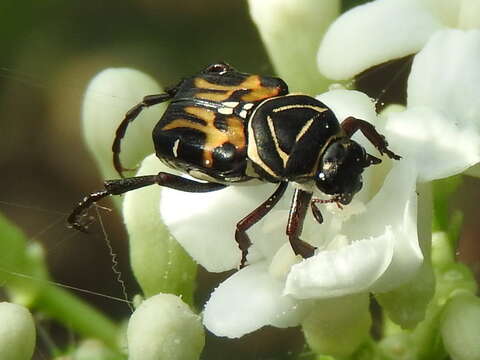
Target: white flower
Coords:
[(374, 249), (384, 30), (442, 120), (443, 85), (371, 245)]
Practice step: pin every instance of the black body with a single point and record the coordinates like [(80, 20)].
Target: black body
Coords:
[(225, 127)]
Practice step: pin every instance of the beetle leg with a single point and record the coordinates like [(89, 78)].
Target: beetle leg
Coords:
[(317, 214), (351, 124), (121, 186), (131, 115), (298, 210), (251, 219)]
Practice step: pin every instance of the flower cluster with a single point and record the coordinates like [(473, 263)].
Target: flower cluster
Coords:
[(381, 242)]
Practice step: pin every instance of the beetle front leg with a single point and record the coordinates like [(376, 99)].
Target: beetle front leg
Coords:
[(251, 219), (298, 211), (121, 186), (351, 124)]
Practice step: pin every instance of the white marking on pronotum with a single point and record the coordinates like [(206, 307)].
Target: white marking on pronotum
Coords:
[(252, 152), (283, 155), (247, 106), (304, 129), (175, 147), (243, 114), (300, 106)]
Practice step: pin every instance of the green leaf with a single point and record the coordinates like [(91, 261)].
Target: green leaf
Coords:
[(20, 261)]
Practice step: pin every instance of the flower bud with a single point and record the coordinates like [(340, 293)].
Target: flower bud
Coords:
[(92, 349), (338, 326), (109, 96), (460, 327), (159, 262), (17, 332), (164, 328), (291, 32)]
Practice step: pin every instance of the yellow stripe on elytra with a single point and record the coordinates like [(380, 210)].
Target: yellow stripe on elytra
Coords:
[(214, 137), (224, 92)]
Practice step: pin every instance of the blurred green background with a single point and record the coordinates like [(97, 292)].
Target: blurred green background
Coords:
[(50, 49)]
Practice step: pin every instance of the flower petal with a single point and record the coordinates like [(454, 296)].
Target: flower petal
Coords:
[(204, 223), (468, 15), (445, 76), (345, 103), (385, 255), (375, 33), (348, 270), (252, 292), (394, 205), (438, 145)]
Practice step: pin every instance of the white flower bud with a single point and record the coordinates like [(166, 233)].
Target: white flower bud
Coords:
[(159, 262), (17, 332), (338, 326), (164, 328), (461, 327), (109, 96), (92, 349), (291, 31)]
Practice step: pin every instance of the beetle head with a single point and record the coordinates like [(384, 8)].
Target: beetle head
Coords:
[(340, 169)]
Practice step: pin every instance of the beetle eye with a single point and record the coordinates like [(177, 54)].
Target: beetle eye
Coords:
[(219, 68)]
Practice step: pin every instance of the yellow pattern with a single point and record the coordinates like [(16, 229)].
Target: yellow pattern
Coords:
[(252, 83), (214, 136)]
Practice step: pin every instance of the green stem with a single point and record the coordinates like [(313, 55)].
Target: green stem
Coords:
[(69, 310)]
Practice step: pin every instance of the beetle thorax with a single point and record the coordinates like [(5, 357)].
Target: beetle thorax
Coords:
[(287, 135)]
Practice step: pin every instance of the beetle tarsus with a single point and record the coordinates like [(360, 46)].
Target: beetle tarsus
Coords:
[(351, 124), (121, 186)]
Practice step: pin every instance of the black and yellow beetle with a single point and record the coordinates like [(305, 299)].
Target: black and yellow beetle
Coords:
[(224, 127)]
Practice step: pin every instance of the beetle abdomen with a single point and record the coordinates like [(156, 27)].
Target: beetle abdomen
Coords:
[(287, 134)]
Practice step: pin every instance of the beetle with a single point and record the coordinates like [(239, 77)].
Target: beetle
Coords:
[(223, 127)]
